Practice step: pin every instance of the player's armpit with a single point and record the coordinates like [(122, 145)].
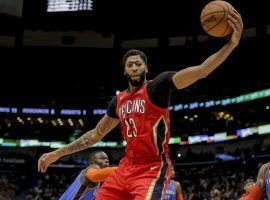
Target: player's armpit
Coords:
[(99, 175)]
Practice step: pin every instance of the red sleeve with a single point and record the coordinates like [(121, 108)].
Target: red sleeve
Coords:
[(255, 193)]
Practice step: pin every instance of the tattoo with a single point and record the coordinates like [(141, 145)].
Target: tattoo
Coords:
[(89, 138), (83, 142), (62, 151), (103, 128), (99, 133)]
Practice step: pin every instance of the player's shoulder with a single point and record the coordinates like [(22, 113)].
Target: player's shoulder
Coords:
[(113, 100), (177, 183), (163, 78), (178, 187), (265, 166), (120, 94), (165, 75)]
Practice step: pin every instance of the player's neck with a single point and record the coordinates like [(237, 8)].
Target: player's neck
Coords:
[(132, 88)]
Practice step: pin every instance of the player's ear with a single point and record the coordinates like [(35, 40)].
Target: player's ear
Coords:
[(146, 69)]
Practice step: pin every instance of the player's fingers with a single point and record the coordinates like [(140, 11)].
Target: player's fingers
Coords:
[(234, 16), (234, 23), (235, 11), (41, 162), (231, 20), (237, 16), (44, 168), (38, 165)]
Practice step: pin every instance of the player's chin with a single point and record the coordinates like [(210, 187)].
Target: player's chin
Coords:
[(106, 165), (136, 83)]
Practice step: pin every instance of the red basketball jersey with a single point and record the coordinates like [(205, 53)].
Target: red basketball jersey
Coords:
[(145, 126)]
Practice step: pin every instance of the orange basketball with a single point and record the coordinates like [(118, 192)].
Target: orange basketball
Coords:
[(214, 18)]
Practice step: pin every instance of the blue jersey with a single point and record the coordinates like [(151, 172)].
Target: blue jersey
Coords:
[(78, 191), (170, 193), (267, 180)]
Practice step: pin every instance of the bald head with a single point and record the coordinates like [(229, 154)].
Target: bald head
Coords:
[(99, 158)]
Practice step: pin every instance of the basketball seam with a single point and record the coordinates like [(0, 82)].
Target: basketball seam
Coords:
[(225, 30), (219, 20), (214, 13), (216, 24), (227, 23)]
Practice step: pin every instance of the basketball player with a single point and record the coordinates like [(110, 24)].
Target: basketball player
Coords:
[(142, 110), (87, 183), (262, 184), (174, 189), (248, 184)]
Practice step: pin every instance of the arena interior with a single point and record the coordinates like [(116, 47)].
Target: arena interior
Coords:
[(62, 64)]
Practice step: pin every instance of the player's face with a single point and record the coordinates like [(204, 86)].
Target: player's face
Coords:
[(101, 159), (135, 70), (248, 187)]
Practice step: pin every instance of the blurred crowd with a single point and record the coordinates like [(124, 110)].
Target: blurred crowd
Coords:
[(207, 179)]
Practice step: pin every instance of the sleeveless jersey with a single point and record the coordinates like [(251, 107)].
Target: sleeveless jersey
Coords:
[(170, 193), (78, 191), (267, 180), (145, 126)]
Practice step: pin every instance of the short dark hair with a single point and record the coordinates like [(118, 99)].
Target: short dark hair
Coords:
[(134, 52), (92, 155), (249, 181)]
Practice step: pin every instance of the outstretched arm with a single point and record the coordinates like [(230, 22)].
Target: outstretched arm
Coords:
[(105, 125), (190, 75)]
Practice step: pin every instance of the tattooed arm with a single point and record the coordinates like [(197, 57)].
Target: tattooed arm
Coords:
[(105, 125)]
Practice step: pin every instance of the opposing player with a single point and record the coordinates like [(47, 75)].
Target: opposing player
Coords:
[(174, 189), (88, 181)]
